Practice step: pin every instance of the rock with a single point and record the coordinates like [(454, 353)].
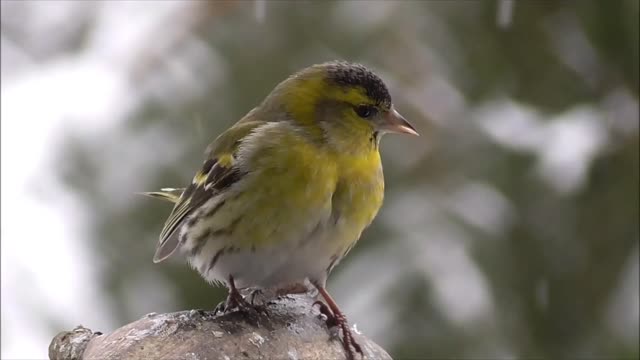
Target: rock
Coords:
[(290, 329)]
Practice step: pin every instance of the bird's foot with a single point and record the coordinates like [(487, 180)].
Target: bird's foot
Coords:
[(238, 302), (235, 300), (338, 319), (257, 302)]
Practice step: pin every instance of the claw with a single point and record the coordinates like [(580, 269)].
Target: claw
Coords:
[(324, 310), (336, 318), (220, 308), (235, 300), (255, 293)]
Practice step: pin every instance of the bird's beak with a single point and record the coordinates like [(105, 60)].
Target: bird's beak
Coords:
[(395, 123)]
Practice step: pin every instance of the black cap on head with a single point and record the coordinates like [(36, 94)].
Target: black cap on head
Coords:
[(349, 74)]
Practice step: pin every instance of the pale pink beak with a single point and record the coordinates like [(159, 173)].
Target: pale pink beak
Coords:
[(396, 123)]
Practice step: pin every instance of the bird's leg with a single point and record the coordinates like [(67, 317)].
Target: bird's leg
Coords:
[(335, 317), (235, 299)]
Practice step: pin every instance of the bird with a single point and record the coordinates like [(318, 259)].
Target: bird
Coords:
[(286, 192)]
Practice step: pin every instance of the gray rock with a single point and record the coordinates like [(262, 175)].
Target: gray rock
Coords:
[(291, 330)]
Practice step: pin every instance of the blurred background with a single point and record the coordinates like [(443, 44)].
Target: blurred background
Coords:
[(510, 228)]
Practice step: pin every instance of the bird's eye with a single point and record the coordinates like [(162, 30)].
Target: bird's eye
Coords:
[(366, 111)]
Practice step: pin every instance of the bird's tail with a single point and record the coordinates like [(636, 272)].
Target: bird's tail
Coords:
[(167, 194)]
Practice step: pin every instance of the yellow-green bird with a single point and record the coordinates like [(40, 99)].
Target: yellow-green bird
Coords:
[(286, 192)]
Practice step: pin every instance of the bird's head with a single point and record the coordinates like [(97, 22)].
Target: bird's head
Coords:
[(344, 102)]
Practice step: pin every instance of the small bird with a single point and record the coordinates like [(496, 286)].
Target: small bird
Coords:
[(286, 192)]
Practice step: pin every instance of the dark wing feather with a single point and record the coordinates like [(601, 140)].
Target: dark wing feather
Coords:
[(208, 182)]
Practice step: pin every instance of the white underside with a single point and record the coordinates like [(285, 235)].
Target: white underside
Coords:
[(289, 263)]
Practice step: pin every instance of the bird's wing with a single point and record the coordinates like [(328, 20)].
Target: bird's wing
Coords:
[(218, 173)]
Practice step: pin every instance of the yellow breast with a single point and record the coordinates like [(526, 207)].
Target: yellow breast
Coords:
[(358, 195), (302, 192)]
